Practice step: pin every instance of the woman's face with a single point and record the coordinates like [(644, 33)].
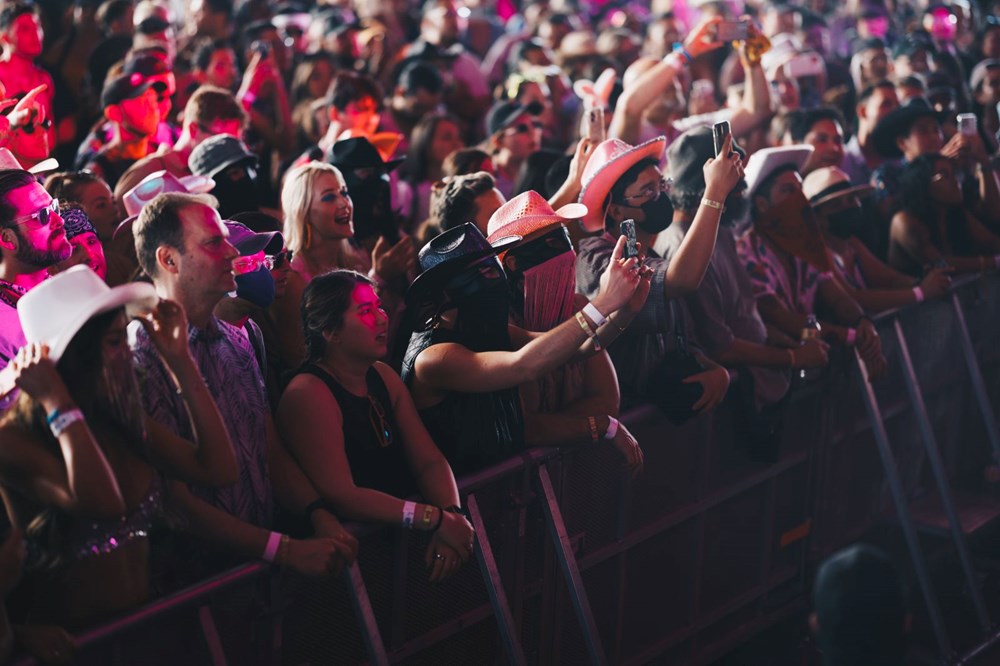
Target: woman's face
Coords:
[(331, 211), (944, 184), (114, 342), (97, 202), (365, 330), (523, 137), (319, 79), (446, 140)]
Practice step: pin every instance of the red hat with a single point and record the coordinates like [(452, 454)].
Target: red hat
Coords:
[(527, 213), (611, 159)]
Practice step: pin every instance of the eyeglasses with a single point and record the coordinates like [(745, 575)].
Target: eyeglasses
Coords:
[(650, 192), (524, 128), (376, 416), (253, 262), (40, 218), (30, 127)]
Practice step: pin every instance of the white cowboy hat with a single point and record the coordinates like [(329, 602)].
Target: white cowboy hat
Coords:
[(157, 183), (8, 161), (768, 160)]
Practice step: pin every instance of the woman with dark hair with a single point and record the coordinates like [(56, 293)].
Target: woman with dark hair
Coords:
[(435, 137), (459, 199), (82, 466), (352, 425), (934, 226), (92, 193), (310, 82)]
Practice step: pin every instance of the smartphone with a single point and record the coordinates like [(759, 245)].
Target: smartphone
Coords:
[(628, 231), (805, 65), (595, 124), (261, 47), (719, 133), (967, 124), (730, 31)]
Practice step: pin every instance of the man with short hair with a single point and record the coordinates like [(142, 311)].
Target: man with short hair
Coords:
[(209, 112), (418, 91), (182, 245), (860, 157), (21, 39), (32, 239), (821, 128)]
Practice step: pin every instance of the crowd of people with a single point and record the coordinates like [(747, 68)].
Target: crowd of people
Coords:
[(269, 267)]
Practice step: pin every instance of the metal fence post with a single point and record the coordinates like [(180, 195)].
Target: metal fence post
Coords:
[(567, 560), (366, 616), (976, 376)]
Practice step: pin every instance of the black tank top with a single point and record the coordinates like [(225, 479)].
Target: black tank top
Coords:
[(376, 462)]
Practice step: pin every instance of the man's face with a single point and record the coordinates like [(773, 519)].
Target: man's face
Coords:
[(827, 138), (882, 102), (35, 243), (141, 115), (360, 116), (875, 64), (914, 63), (440, 24), (205, 263), (924, 137), (784, 186), (221, 70), (25, 36)]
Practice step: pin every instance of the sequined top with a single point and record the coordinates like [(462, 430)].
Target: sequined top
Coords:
[(100, 537)]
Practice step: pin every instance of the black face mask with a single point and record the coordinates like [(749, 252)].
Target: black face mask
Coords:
[(372, 204), (659, 213), (483, 305), (236, 195), (846, 223)]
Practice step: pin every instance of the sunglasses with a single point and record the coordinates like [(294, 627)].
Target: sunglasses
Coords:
[(30, 127), (524, 128), (251, 263), (376, 416), (40, 218)]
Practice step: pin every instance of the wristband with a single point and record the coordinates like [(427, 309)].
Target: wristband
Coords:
[(63, 420), (676, 61), (271, 549), (717, 205), (592, 422), (594, 314), (683, 52), (852, 336), (585, 325), (919, 294), (409, 509), (612, 428)]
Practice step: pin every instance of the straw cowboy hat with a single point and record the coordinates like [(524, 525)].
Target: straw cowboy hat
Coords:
[(829, 183), (610, 160), (8, 161), (528, 213), (54, 311)]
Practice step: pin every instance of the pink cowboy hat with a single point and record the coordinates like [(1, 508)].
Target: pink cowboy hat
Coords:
[(610, 160), (527, 213)]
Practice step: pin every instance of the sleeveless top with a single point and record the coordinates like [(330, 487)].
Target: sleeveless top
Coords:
[(473, 430), (377, 460)]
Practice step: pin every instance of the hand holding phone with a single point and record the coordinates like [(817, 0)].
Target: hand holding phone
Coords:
[(732, 31), (719, 133), (628, 231)]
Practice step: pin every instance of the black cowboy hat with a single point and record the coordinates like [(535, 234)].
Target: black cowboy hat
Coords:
[(898, 123), (447, 255), (358, 153)]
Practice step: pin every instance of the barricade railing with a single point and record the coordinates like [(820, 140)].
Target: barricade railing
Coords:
[(577, 564)]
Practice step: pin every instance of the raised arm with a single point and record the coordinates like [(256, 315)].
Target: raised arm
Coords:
[(756, 106)]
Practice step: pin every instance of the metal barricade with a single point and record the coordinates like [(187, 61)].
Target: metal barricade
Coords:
[(577, 564)]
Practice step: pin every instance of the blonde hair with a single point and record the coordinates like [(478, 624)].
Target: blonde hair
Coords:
[(296, 200)]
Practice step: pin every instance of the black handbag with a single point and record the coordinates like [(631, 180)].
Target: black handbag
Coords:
[(667, 388)]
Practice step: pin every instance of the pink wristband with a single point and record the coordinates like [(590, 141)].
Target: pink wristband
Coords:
[(273, 541), (612, 428), (852, 336), (919, 293)]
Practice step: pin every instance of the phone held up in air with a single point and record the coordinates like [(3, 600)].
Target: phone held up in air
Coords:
[(593, 123), (719, 133), (628, 231), (732, 31), (967, 124)]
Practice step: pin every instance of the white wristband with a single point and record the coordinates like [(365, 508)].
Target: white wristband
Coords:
[(271, 549), (676, 61), (594, 315), (409, 509), (612, 428), (64, 420), (919, 293)]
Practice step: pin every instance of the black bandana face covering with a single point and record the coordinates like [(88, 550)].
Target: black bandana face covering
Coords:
[(482, 298), (236, 193), (372, 200)]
